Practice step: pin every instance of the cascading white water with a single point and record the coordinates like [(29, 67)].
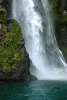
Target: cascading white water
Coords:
[(34, 17)]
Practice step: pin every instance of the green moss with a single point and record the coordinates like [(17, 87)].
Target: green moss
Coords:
[(15, 29), (4, 29), (10, 56), (55, 2), (3, 15), (64, 19)]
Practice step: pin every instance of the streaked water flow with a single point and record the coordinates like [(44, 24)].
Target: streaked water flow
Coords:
[(34, 17)]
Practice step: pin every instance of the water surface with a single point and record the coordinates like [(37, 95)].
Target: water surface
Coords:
[(37, 90)]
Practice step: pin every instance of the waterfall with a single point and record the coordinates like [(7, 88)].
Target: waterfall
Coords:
[(34, 18)]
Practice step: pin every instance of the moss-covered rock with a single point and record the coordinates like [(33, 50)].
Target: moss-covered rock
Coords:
[(3, 15), (63, 19), (59, 14), (7, 5), (14, 60), (13, 63), (10, 57)]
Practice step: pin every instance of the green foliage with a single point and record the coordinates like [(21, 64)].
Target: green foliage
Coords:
[(16, 29), (3, 15), (10, 57)]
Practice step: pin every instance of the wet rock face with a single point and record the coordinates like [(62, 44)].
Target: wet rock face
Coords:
[(64, 36), (59, 14)]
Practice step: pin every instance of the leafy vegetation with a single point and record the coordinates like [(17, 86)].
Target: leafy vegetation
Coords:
[(3, 15), (10, 56)]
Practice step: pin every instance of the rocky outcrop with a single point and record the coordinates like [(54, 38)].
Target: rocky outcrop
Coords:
[(14, 60), (59, 15)]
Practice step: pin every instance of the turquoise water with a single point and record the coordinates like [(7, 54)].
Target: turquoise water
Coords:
[(37, 90)]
